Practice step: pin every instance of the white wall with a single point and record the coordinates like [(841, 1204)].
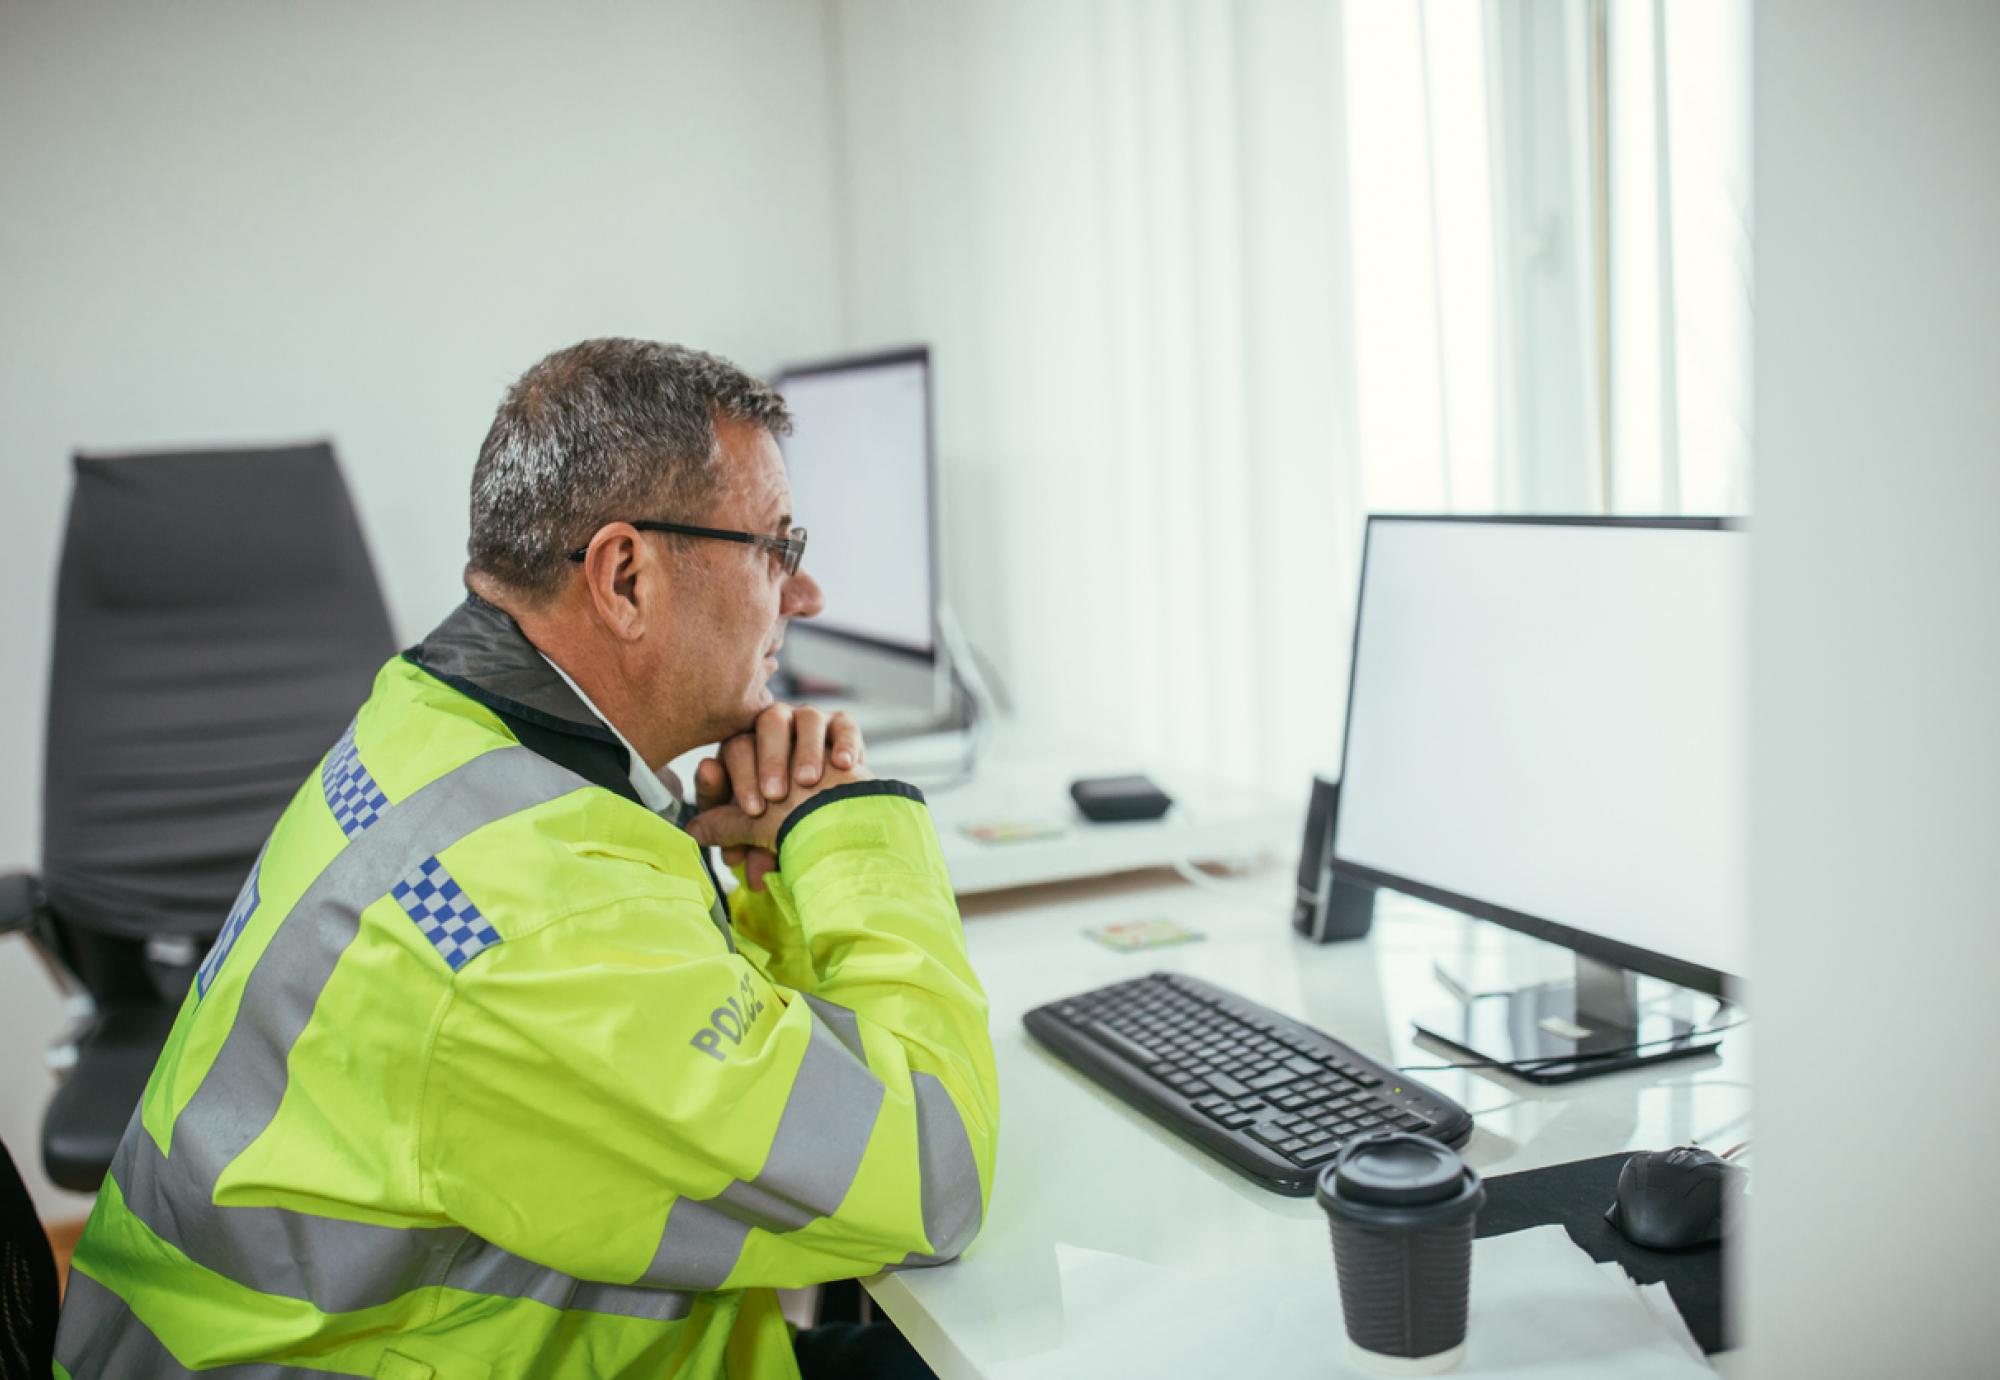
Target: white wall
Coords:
[(230, 221), (1876, 626)]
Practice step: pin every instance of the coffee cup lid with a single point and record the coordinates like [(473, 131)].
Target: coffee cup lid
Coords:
[(1397, 1169)]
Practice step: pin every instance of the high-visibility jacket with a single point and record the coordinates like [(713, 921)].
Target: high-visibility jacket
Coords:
[(478, 1082)]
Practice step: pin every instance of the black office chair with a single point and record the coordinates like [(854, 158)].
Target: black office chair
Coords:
[(217, 623)]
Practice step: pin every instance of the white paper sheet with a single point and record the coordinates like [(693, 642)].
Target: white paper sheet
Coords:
[(1542, 1307), (1660, 1303), (1667, 1314)]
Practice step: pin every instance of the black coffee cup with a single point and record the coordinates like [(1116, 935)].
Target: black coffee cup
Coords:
[(1402, 1209)]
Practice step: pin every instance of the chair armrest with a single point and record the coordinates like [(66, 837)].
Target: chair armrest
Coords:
[(21, 901)]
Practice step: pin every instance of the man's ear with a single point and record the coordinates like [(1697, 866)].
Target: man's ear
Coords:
[(617, 566)]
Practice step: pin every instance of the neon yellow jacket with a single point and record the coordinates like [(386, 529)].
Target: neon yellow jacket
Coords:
[(478, 1082)]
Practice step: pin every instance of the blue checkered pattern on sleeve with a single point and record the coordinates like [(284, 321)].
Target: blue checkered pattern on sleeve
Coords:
[(239, 916), (351, 793), (445, 914)]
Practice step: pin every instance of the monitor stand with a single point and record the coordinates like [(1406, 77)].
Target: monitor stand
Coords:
[(1574, 1029)]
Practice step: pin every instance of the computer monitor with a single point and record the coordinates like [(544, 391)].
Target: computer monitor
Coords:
[(1546, 728), (864, 484)]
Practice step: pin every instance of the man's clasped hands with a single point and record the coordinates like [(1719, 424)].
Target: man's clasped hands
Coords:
[(758, 778)]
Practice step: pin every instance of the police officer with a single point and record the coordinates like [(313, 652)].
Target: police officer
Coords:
[(483, 1077)]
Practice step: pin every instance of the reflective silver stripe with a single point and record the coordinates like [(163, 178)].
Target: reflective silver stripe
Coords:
[(951, 1175), (341, 1266), (815, 1154), (483, 1268), (842, 1021), (700, 1246), (334, 1265), (100, 1338)]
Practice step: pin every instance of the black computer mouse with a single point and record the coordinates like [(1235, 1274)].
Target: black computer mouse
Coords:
[(1672, 1199)]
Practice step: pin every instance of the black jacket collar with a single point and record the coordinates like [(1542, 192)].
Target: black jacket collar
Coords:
[(482, 652)]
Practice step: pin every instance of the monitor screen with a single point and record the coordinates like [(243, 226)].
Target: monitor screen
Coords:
[(859, 461), (1547, 721)]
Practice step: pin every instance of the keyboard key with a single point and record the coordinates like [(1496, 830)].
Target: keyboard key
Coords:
[(1226, 1085), (1272, 1078), (1270, 1133), (1319, 1152), (1122, 1045)]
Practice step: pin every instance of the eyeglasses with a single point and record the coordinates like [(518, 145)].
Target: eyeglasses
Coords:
[(789, 549)]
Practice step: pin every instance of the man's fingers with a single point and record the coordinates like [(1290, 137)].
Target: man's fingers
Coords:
[(809, 727), (739, 759), (725, 826), (774, 750), (757, 863), (711, 783), (844, 737)]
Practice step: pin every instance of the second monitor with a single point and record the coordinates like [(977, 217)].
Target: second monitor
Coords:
[(864, 484), (1546, 728)]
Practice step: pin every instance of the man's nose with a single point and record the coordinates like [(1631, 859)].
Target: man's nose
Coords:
[(802, 597)]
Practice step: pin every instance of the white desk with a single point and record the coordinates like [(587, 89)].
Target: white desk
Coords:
[(1021, 779), (1113, 1248)]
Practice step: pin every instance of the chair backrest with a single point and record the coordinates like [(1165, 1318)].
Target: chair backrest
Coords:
[(27, 1282), (217, 622)]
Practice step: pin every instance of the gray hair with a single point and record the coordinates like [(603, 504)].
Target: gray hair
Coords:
[(602, 431)]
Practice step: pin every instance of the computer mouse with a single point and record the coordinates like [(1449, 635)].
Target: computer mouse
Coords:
[(1671, 1199)]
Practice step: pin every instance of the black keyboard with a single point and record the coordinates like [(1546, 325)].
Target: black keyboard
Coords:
[(1272, 1097)]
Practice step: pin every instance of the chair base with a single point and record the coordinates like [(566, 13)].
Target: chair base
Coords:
[(88, 1115)]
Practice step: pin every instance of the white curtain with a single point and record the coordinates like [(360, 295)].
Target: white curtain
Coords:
[(1206, 282), (1679, 241)]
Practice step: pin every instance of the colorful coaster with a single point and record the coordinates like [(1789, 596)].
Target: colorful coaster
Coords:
[(1131, 935), (1014, 830)]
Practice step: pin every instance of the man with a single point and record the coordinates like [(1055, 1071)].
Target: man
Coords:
[(480, 1078)]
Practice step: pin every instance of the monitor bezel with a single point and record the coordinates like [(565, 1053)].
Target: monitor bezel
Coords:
[(1588, 943), (837, 364)]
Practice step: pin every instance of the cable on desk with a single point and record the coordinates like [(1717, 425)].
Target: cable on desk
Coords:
[(1523, 1065), (979, 698), (1192, 874), (960, 774)]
